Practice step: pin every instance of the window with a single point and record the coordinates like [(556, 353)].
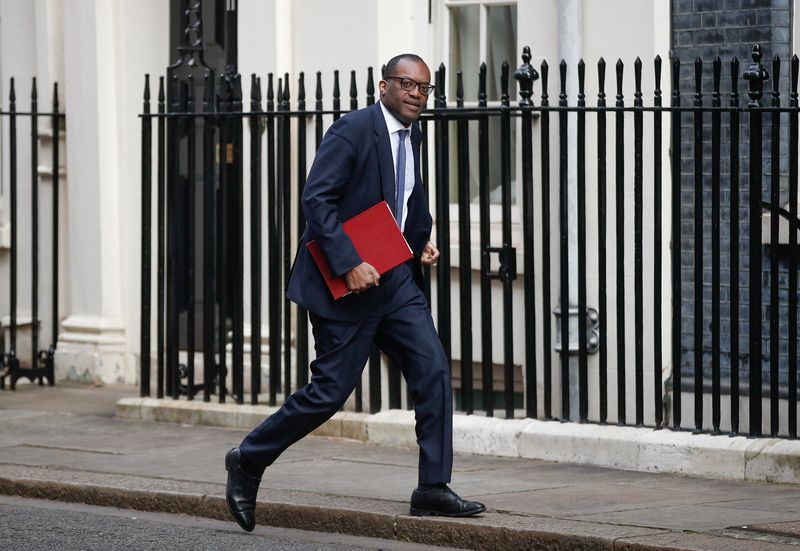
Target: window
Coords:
[(481, 31)]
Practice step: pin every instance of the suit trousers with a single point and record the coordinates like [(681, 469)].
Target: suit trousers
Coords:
[(403, 329)]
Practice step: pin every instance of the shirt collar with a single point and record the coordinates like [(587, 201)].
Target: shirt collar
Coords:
[(392, 123)]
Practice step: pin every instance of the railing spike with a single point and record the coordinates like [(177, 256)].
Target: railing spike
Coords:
[(336, 91), (146, 87), (370, 87), (270, 89), (657, 70), (318, 92), (161, 95), (676, 82), (698, 75), (443, 79), (353, 91), (504, 97), (301, 87), (545, 71), (601, 77), (482, 85), (437, 90)]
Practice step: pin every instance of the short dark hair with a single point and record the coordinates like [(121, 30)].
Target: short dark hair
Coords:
[(388, 69)]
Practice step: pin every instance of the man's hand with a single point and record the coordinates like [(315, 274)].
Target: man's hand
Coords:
[(362, 277), (430, 256)]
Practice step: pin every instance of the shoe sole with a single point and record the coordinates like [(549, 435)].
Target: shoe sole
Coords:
[(228, 458), (426, 513)]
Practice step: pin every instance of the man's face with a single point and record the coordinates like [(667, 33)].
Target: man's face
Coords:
[(406, 105)]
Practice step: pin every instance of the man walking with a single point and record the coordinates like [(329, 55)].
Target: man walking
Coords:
[(366, 157)]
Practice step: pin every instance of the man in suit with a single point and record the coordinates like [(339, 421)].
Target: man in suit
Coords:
[(366, 157)]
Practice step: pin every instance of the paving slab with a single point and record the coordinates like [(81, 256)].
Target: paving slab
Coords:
[(695, 517), (574, 500), (63, 397)]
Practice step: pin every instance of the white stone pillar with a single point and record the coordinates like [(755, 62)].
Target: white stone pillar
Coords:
[(108, 46), (50, 43), (92, 344)]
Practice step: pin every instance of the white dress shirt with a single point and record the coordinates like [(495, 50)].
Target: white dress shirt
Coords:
[(394, 127)]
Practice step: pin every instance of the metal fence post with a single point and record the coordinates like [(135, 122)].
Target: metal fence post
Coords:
[(525, 75), (147, 146), (755, 75), (55, 125)]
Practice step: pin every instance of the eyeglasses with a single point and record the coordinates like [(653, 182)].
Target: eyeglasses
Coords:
[(409, 84)]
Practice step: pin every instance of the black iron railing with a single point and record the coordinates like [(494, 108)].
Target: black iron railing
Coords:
[(41, 364), (457, 172)]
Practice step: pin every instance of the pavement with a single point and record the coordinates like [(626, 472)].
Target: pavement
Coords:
[(66, 443)]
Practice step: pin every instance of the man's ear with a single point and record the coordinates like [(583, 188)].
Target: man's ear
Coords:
[(382, 86)]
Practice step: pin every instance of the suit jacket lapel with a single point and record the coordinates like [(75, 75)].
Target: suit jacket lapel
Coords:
[(383, 147)]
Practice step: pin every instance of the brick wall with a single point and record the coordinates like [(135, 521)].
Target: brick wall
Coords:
[(724, 28)]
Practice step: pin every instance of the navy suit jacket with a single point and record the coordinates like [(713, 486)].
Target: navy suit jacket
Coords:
[(352, 171)]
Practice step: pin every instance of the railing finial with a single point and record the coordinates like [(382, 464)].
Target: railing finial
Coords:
[(756, 75), (526, 75)]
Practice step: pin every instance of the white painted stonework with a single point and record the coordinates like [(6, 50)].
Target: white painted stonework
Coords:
[(92, 349)]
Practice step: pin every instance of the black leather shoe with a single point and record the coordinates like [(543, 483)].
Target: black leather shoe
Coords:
[(241, 491), (444, 502)]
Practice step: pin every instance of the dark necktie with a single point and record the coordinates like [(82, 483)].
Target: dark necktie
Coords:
[(400, 192)]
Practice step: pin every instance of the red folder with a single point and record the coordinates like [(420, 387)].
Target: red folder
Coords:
[(377, 240)]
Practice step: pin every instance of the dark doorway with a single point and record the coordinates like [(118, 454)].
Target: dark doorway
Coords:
[(203, 51)]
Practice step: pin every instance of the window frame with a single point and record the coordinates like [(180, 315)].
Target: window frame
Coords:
[(483, 16), (442, 20)]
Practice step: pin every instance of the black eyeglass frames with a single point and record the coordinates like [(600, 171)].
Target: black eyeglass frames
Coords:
[(408, 84)]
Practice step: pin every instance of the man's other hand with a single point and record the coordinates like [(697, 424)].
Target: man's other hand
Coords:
[(430, 256), (362, 277)]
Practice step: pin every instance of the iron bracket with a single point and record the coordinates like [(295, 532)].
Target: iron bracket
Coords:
[(507, 271)]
